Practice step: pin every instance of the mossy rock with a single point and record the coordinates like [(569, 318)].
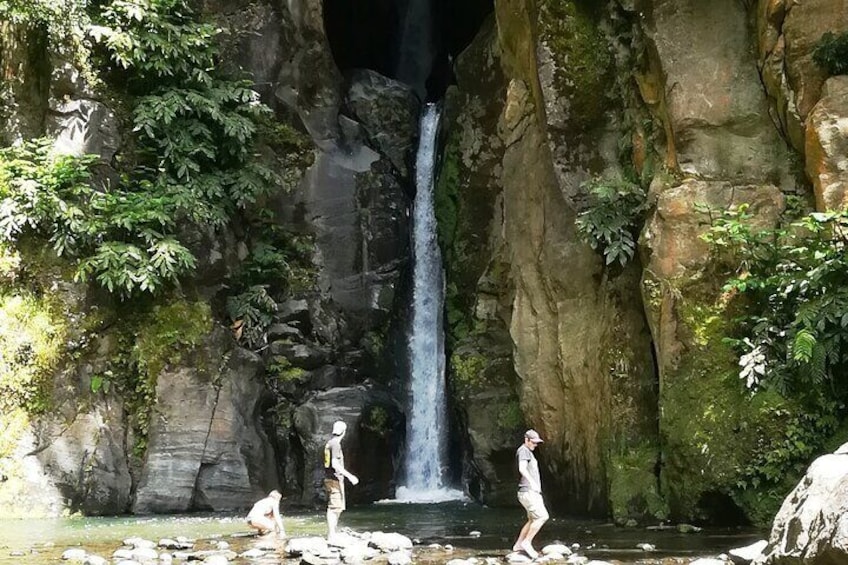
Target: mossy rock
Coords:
[(634, 485), (582, 57), (717, 434), (32, 347)]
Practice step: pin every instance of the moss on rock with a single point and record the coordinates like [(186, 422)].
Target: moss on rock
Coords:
[(634, 485), (32, 343), (581, 55)]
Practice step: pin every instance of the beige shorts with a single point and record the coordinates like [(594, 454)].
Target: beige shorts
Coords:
[(533, 504), (335, 495)]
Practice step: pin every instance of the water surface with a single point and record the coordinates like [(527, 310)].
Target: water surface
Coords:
[(43, 541)]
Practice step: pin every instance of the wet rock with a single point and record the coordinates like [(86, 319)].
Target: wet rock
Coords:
[(207, 448), (74, 555), (646, 546), (216, 560), (254, 553), (708, 561), (688, 529), (127, 562), (122, 554), (577, 560), (222, 545), (475, 533), (390, 541), (167, 543), (557, 548), (518, 557), (744, 555), (388, 111), (366, 451), (96, 560)]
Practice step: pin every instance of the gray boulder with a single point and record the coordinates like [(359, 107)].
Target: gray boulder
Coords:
[(811, 527)]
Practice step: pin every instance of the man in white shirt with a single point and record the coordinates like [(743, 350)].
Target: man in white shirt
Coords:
[(530, 494)]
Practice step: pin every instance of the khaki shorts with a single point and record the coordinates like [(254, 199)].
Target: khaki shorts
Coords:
[(533, 504), (335, 495)]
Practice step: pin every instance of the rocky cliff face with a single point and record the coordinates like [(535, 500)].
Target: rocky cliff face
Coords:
[(672, 92)]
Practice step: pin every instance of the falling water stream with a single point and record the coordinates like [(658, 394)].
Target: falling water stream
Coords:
[(426, 430)]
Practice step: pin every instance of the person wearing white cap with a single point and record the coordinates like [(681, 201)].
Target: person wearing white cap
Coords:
[(530, 494), (334, 476)]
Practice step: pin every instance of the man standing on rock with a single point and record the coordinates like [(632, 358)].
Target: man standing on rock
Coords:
[(334, 476), (530, 494)]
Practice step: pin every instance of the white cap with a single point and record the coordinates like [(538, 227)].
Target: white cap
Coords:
[(339, 428)]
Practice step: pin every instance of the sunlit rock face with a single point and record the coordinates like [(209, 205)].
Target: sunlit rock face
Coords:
[(827, 145), (787, 35), (812, 525), (721, 143)]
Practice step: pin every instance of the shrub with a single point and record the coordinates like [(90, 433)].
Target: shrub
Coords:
[(831, 53), (611, 221), (790, 289)]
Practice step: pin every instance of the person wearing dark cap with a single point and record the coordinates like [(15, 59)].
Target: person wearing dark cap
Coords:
[(334, 477), (530, 494)]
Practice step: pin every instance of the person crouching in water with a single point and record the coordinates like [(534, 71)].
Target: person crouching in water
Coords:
[(265, 515), (334, 476)]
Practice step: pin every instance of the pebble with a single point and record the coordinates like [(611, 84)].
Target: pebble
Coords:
[(96, 560), (16, 553), (122, 554), (222, 545), (145, 554), (252, 554), (475, 533), (448, 547), (216, 560)]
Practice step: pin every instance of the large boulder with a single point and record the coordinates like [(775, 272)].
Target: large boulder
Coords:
[(375, 432), (812, 525)]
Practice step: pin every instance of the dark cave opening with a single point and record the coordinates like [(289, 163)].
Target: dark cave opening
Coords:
[(380, 34)]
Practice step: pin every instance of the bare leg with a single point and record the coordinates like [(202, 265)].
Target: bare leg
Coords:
[(262, 525), (527, 544), (521, 536), (332, 522)]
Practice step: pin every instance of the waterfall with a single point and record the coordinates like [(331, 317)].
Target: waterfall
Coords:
[(426, 429)]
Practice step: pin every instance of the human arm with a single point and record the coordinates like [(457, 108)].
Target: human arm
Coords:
[(338, 466), (524, 471), (278, 520)]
